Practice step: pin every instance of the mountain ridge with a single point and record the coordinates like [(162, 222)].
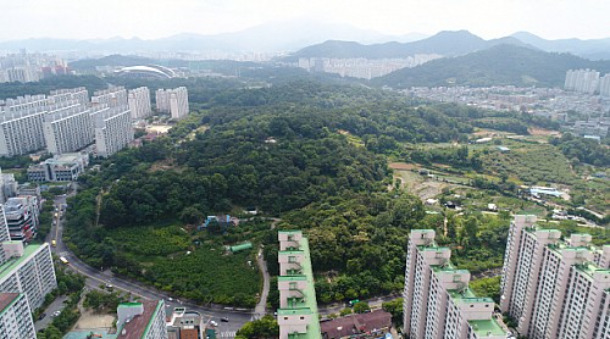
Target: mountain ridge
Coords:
[(498, 65), (445, 43)]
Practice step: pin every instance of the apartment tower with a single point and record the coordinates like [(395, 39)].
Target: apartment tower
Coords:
[(555, 287), (438, 304)]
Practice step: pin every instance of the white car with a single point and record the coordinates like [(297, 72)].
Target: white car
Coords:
[(213, 323)]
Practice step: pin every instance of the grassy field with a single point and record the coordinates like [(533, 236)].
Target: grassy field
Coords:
[(191, 264), (531, 164)]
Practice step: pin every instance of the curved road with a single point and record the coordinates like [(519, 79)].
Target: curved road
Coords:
[(96, 277)]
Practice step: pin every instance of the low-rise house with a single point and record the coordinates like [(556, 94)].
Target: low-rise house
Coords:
[(373, 324)]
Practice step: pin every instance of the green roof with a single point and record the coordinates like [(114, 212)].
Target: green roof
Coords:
[(134, 304), (289, 231), (292, 252), (241, 247), (467, 296), (9, 266), (291, 278), (432, 248), (485, 328), (310, 306)]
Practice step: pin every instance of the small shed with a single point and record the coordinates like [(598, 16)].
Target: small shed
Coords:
[(240, 247)]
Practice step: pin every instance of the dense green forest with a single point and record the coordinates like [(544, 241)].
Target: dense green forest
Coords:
[(313, 154)]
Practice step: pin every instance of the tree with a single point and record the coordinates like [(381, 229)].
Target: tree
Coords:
[(361, 307), (394, 307), (345, 312), (264, 328), (191, 215)]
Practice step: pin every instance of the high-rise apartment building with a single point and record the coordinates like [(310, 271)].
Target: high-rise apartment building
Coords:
[(555, 288), (67, 128), (438, 304), (604, 85), (79, 94), (21, 125), (582, 81), (174, 101), (15, 317), (113, 96), (139, 103), (28, 270), (112, 129), (4, 236), (298, 312), (142, 320)]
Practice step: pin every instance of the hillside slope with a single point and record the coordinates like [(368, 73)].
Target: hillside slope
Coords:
[(498, 65)]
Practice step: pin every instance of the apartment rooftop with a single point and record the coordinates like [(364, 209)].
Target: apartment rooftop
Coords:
[(589, 269), (10, 266), (139, 325), (487, 327), (6, 300)]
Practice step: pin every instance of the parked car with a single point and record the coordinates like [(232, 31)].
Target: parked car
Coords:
[(41, 316), (224, 319), (213, 323)]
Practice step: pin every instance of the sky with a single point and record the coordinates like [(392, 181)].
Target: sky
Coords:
[(150, 19)]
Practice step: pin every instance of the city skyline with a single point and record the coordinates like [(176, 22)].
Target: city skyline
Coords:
[(154, 19)]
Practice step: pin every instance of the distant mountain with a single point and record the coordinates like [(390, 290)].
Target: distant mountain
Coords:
[(272, 37), (498, 65), (595, 49), (447, 43)]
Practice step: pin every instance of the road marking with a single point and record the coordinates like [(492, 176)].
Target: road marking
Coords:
[(228, 334)]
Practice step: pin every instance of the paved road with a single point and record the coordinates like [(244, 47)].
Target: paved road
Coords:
[(261, 307), (96, 277), (56, 305)]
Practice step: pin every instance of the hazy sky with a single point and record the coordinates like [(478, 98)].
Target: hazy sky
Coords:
[(155, 18)]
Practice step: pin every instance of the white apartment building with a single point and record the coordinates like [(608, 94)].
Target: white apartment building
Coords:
[(79, 94), (437, 301), (113, 96), (21, 125), (139, 103), (112, 129), (604, 86), (15, 317), (582, 80), (28, 270), (554, 288), (174, 101), (4, 235), (67, 128)]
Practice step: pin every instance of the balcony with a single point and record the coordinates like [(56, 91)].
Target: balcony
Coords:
[(294, 289), (295, 302)]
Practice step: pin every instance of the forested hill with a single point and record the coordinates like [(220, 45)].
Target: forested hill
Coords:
[(499, 65), (448, 43), (310, 153)]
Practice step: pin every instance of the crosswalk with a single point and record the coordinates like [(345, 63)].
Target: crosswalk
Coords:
[(227, 334)]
